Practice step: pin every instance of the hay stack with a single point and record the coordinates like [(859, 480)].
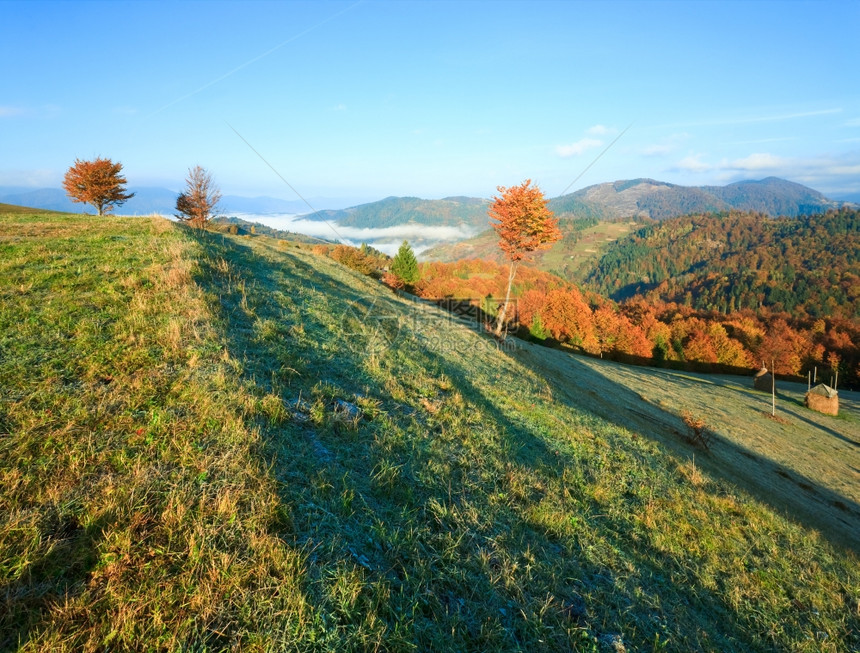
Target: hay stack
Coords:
[(824, 399), (763, 380)]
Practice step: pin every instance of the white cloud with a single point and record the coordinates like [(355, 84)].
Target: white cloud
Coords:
[(600, 130), (668, 145), (39, 178), (845, 170), (577, 148), (694, 163), (355, 235), (759, 161), (339, 107), (659, 149), (10, 112)]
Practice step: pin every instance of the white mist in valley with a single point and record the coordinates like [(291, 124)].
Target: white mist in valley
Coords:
[(386, 239)]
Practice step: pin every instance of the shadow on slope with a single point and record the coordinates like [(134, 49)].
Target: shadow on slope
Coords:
[(459, 510), (52, 579), (794, 495)]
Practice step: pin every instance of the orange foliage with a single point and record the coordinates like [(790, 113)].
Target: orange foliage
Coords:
[(98, 182), (354, 258), (524, 224), (785, 347), (741, 339), (522, 220), (198, 203), (568, 318)]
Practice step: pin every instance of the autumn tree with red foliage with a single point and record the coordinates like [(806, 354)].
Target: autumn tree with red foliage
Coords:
[(524, 224), (198, 204), (98, 182)]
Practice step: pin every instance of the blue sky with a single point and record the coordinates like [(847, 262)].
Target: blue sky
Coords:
[(369, 99)]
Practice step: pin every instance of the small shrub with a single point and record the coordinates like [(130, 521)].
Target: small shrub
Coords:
[(700, 435), (393, 281), (353, 258), (272, 406), (537, 328)]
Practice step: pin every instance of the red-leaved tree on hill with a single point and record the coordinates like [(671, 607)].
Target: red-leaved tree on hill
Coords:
[(524, 224), (98, 182)]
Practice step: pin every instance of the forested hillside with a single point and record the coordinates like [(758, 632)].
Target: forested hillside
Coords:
[(808, 266), (391, 211), (655, 333)]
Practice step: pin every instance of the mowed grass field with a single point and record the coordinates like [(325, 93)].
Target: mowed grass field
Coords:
[(211, 442), (577, 261), (805, 463)]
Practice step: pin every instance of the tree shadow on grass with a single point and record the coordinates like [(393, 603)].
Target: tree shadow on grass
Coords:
[(50, 580), (431, 548)]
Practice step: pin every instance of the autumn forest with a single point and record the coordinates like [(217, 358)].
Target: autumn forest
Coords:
[(734, 290)]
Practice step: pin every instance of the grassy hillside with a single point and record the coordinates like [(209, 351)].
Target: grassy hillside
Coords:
[(803, 462), (215, 442), (11, 209)]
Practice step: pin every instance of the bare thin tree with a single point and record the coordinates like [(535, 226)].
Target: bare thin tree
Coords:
[(198, 203)]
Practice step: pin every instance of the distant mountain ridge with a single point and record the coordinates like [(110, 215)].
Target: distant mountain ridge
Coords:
[(392, 211), (658, 200), (631, 198), (146, 200), (593, 217)]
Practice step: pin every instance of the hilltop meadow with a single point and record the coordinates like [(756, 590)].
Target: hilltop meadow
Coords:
[(212, 441)]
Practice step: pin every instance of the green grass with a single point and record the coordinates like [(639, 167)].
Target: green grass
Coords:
[(575, 262), (176, 474), (802, 462), (14, 209)]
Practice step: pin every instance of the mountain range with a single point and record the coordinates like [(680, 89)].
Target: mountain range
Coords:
[(658, 200), (634, 198), (392, 211), (148, 199)]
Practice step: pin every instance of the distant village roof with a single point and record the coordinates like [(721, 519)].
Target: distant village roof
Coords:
[(824, 391)]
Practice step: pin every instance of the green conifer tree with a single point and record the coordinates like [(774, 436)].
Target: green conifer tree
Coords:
[(405, 265)]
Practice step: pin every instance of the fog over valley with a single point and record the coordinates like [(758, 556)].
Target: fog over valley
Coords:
[(385, 239)]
